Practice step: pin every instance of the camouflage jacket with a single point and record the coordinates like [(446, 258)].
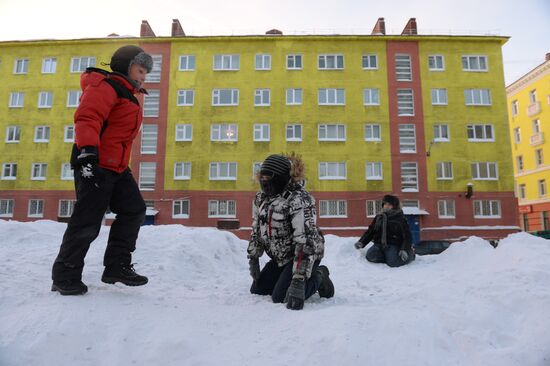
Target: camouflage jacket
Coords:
[(285, 228)]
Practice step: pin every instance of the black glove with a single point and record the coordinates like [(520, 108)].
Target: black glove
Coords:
[(296, 294), (87, 160), (254, 267), (359, 245)]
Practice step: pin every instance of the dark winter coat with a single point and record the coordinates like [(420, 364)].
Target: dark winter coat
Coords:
[(397, 230), (285, 227), (100, 103)]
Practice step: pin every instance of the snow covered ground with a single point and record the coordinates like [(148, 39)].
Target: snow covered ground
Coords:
[(471, 305)]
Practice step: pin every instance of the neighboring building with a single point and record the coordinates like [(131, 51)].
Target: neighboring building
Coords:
[(529, 111), (422, 117)]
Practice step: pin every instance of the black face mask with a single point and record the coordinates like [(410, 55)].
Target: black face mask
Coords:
[(274, 185)]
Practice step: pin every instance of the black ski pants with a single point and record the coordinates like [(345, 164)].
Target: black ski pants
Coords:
[(388, 255), (120, 193), (275, 281)]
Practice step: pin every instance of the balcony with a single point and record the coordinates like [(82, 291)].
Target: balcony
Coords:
[(537, 139), (533, 108)]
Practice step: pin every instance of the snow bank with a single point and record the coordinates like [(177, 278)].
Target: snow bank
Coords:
[(470, 305)]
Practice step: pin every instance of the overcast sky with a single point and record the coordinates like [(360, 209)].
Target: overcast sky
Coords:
[(526, 21)]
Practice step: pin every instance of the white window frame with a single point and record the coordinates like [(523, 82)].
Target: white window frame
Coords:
[(484, 209), (262, 97), (293, 59), (293, 128), (17, 100), (439, 96), (9, 171), (472, 63), (477, 97), (185, 98), (184, 132), (481, 167), (49, 65), (67, 172), (433, 63), (155, 74), (373, 132), (13, 134), (80, 64), (473, 129), (515, 108), (182, 170), (73, 98), (444, 170), (147, 176), (262, 62), (535, 124), (331, 96), (333, 209), (446, 209), (330, 62), (42, 134), (539, 158), (441, 132), (331, 132), (39, 171), (6, 207), (409, 181), (149, 138), (256, 167), (189, 64), (229, 208), (151, 103), (373, 207), (21, 66), (38, 209), (405, 102), (294, 96), (325, 167), (374, 170), (262, 132), (519, 163), (181, 209), (541, 184), (403, 67), (517, 135), (366, 61), (45, 99), (224, 132), (68, 133), (521, 191), (407, 138), (226, 62), (532, 96), (66, 208), (222, 171), (217, 95), (371, 96)]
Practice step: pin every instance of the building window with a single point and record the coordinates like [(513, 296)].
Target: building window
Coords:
[(545, 221), (80, 64), (407, 138), (294, 132), (224, 132), (405, 102), (444, 170), (223, 171), (333, 208), (17, 100), (222, 208), (446, 209), (180, 209), (436, 63), (149, 134), (474, 63), (373, 132), (533, 96), (66, 208), (525, 220), (539, 158), (68, 133), (261, 132), (371, 96), (409, 177), (542, 187), (147, 174), (484, 171), (517, 135), (256, 167), (331, 97), (42, 134), (480, 133), (294, 62), (184, 132), (439, 96), (486, 209), (39, 171), (441, 133), (515, 108), (21, 66), (225, 97), (374, 207), (49, 65), (332, 170), (536, 126), (477, 96), (154, 75), (521, 191), (67, 172), (519, 163), (262, 97), (403, 71), (263, 62), (36, 208), (6, 207), (186, 97), (227, 62), (9, 171), (332, 132), (331, 62), (187, 63), (45, 99), (13, 134), (294, 96), (370, 62), (73, 98), (151, 103), (182, 170), (373, 170)]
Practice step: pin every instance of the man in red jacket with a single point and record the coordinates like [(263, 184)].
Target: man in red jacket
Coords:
[(107, 121)]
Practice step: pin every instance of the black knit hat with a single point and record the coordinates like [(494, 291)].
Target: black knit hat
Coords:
[(392, 200), (126, 56), (276, 165)]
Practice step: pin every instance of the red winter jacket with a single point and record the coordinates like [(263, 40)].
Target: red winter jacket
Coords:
[(100, 103)]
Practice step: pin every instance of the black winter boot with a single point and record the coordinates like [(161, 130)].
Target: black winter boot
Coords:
[(327, 287), (123, 273), (70, 287)]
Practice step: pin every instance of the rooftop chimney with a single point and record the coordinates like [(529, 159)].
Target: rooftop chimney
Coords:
[(177, 30), (379, 28), (274, 32), (146, 30), (548, 56), (410, 28)]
